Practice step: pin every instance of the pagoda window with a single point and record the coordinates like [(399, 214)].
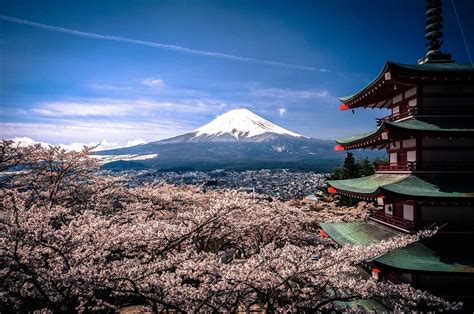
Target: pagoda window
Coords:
[(411, 92), (398, 210), (411, 155), (412, 103), (397, 98), (395, 145), (393, 158), (409, 143), (408, 212), (402, 157), (389, 209), (395, 110)]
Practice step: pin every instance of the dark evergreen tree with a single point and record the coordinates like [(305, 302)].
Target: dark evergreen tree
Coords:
[(366, 167), (337, 174), (350, 169)]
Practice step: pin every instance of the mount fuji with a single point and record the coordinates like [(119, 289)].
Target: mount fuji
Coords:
[(238, 139), (239, 125)]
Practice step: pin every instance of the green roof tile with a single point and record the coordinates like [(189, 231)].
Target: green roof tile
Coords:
[(368, 184), (444, 124), (434, 185), (441, 253), (420, 185), (355, 138)]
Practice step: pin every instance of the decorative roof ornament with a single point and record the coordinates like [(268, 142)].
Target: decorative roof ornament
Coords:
[(434, 33)]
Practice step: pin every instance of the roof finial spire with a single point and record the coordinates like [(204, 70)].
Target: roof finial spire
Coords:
[(434, 33)]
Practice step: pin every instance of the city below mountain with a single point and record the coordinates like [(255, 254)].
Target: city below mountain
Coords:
[(238, 139)]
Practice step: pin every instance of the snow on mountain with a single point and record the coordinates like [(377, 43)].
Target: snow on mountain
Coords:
[(104, 159), (240, 123)]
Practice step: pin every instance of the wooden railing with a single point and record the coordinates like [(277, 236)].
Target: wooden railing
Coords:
[(426, 166), (393, 167), (409, 111), (429, 111), (393, 220)]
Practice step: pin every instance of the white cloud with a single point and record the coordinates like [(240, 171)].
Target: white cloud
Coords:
[(153, 82), (92, 107), (109, 122), (77, 146), (281, 111), (104, 144), (78, 133), (290, 93), (100, 107), (137, 141), (26, 141)]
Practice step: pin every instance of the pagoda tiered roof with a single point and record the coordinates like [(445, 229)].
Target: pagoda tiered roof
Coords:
[(420, 186), (440, 253), (396, 78), (455, 126)]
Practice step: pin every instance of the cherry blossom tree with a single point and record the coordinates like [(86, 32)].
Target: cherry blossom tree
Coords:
[(72, 240)]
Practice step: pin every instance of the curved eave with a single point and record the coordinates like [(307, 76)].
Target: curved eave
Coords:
[(395, 78), (349, 99), (371, 139), (379, 92)]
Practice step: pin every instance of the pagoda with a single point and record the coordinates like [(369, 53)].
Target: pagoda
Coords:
[(429, 177)]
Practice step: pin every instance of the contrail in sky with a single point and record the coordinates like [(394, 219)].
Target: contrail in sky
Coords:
[(157, 45)]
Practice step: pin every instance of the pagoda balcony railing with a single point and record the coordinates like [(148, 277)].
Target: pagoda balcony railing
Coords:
[(428, 111), (393, 220), (411, 166), (393, 167), (407, 112)]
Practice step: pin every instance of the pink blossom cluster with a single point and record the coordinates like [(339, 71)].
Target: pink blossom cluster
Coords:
[(74, 241)]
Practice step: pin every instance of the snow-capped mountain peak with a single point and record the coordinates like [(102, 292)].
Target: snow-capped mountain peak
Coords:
[(240, 123)]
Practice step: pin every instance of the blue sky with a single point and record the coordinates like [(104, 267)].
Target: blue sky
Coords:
[(126, 71)]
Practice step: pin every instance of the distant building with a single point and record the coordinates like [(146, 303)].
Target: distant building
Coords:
[(429, 179)]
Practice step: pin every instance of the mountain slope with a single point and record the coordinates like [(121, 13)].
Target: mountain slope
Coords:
[(234, 125), (240, 124), (238, 139)]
